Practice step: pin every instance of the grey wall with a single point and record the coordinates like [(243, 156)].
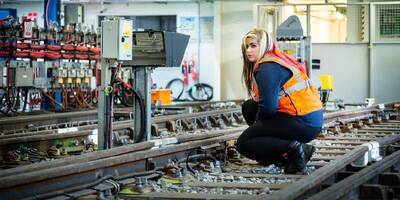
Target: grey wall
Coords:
[(348, 65), (385, 80)]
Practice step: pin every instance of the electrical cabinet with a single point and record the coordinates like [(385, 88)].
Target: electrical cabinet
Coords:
[(21, 73), (41, 78), (116, 39), (23, 77)]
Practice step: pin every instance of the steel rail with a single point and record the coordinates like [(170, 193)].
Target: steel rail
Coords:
[(308, 183), (44, 119), (106, 153), (78, 159), (354, 181), (7, 123), (342, 113), (36, 138), (116, 166), (87, 130)]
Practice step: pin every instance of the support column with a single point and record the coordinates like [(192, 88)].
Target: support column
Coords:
[(142, 86), (101, 106)]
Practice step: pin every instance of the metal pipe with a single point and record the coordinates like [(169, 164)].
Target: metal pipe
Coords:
[(371, 33), (198, 41)]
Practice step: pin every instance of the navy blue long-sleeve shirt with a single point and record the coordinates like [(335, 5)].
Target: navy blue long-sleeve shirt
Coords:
[(270, 77)]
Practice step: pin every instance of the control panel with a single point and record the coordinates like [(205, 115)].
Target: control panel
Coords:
[(117, 39)]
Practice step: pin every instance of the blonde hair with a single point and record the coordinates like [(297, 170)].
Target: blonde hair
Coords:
[(264, 40)]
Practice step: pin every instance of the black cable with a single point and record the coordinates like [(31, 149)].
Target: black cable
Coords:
[(203, 86), (1, 100), (7, 101), (169, 84), (13, 101), (3, 103), (189, 156), (17, 103), (108, 114), (26, 90), (140, 100), (124, 97)]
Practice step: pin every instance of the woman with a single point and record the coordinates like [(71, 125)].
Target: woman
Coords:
[(284, 112)]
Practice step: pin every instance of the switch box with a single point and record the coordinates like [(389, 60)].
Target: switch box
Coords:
[(72, 73), (62, 73), (88, 73), (23, 77), (116, 39), (80, 73), (42, 69)]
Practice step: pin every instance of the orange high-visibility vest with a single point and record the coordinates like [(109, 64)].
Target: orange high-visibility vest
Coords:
[(297, 96)]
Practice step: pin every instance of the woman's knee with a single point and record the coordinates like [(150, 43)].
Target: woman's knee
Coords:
[(249, 111), (240, 144)]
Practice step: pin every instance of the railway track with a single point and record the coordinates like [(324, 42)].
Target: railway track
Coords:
[(50, 121), (163, 168), (162, 126), (54, 137)]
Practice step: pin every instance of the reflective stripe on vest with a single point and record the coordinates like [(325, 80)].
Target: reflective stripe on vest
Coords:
[(296, 87)]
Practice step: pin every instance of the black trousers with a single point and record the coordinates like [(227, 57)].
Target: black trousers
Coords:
[(268, 139)]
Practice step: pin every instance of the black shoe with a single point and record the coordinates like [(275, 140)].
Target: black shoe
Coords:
[(298, 157), (232, 154), (310, 149)]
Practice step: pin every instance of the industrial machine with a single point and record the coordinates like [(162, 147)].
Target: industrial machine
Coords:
[(54, 68), (141, 52), (292, 41)]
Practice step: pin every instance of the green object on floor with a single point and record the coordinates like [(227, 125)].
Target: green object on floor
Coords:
[(170, 180), (128, 191)]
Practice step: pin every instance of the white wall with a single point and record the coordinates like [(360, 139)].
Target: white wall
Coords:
[(236, 21)]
